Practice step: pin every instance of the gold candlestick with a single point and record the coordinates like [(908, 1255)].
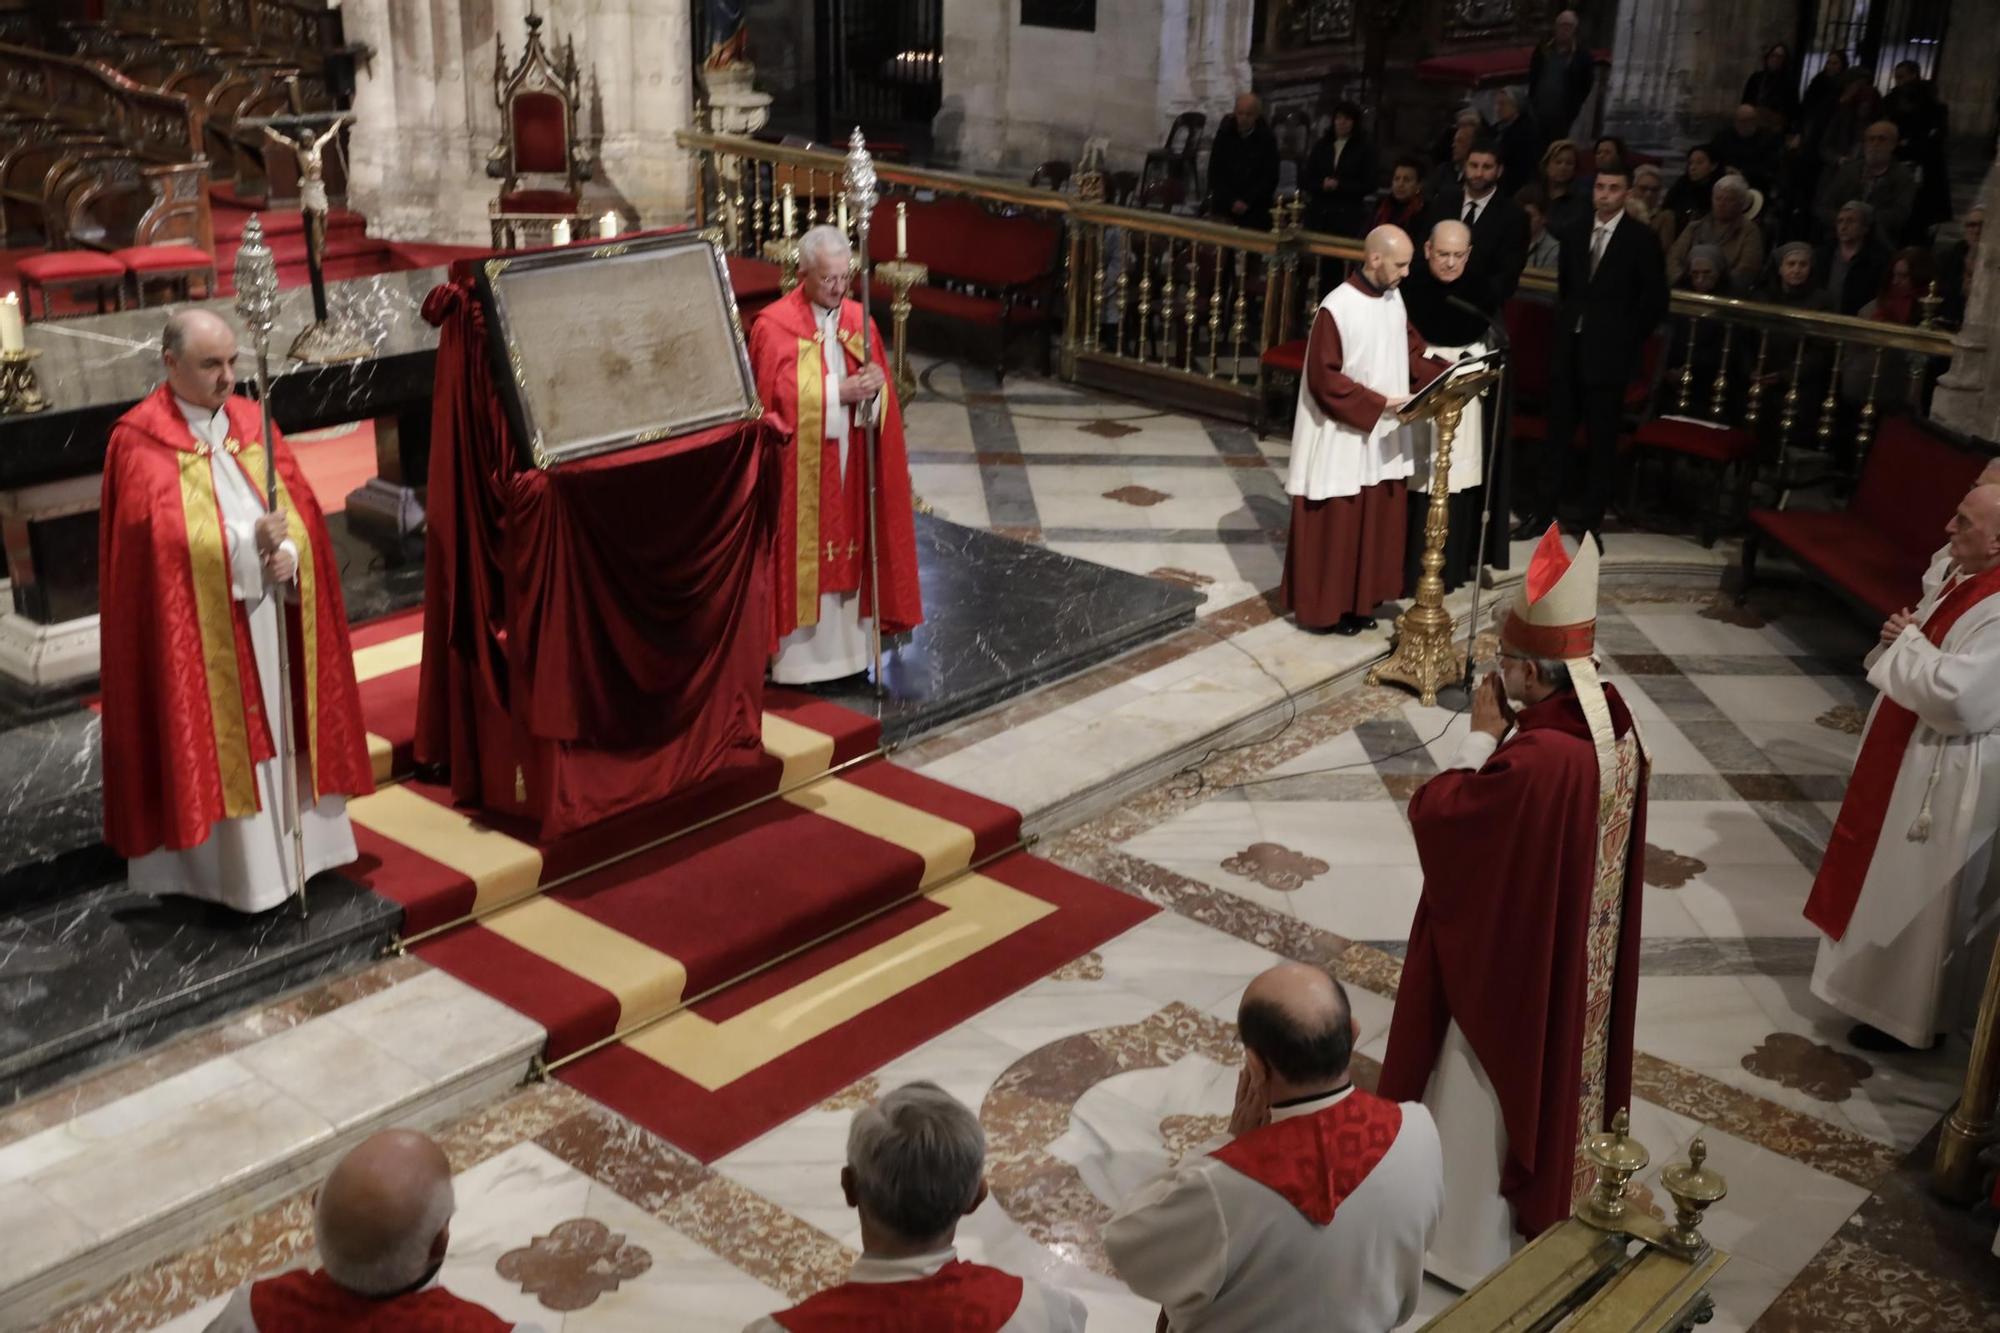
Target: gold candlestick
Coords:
[(19, 390), (901, 275), (784, 252), (1425, 655)]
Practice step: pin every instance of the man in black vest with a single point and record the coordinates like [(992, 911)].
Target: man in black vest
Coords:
[(1611, 286)]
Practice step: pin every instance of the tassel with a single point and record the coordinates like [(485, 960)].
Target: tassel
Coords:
[(1920, 827)]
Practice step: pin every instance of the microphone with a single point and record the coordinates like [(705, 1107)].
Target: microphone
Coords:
[(1496, 327)]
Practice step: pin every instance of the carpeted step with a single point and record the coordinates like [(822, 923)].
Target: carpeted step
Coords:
[(228, 223)]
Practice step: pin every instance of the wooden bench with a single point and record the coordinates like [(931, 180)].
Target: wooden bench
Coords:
[(1874, 552), (991, 273)]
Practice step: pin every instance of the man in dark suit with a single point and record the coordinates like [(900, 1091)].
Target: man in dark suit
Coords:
[(1243, 167), (1611, 294), (1499, 226)]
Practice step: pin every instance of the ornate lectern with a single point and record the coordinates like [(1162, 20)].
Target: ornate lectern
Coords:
[(1426, 658)]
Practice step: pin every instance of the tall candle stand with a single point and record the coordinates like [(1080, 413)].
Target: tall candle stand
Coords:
[(902, 273), (19, 391)]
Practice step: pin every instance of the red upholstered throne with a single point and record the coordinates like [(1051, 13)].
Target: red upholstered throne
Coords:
[(540, 162)]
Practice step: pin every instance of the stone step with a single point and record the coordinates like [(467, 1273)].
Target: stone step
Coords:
[(142, 1175)]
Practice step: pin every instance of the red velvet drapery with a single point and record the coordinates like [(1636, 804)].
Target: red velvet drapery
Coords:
[(614, 611)]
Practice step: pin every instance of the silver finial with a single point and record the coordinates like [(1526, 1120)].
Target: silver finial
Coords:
[(256, 279), (860, 175)]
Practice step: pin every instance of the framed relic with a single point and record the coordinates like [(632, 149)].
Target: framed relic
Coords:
[(600, 348)]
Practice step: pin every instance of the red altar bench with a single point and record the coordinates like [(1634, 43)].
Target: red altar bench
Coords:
[(989, 273)]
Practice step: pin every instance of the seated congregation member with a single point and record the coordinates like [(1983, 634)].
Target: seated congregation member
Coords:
[(1243, 167), (1728, 228), (199, 580), (1520, 142), (1849, 269), (1569, 198), (1404, 205), (1687, 198), (1450, 332), (1874, 175), (916, 1164), (1449, 174), (1339, 175), (1316, 1210), (1499, 227), (1543, 247), (1648, 203), (381, 1224), (1748, 147), (1790, 284)]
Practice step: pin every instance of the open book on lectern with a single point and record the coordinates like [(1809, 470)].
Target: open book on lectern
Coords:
[(1425, 401)]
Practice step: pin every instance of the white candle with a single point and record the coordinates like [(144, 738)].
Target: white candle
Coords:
[(843, 214), (12, 336), (788, 211), (902, 230), (561, 232), (607, 226)]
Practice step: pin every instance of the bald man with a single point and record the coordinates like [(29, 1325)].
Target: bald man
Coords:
[(197, 581), (1351, 457), (381, 1223), (1243, 167), (1315, 1211)]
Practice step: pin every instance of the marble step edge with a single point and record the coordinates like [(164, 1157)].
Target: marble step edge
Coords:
[(103, 1261)]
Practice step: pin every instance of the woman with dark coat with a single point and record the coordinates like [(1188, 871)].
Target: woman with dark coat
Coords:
[(1774, 90), (1339, 175)]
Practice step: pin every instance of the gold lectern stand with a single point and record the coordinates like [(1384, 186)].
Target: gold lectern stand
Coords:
[(1425, 656)]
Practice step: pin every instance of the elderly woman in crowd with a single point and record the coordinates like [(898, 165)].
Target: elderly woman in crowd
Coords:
[(1647, 203), (1727, 227), (1707, 272), (1850, 267), (1569, 201), (1787, 354)]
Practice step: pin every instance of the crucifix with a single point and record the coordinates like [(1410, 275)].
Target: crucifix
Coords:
[(307, 136)]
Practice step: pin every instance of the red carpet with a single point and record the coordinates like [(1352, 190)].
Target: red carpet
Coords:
[(754, 966), (336, 461)]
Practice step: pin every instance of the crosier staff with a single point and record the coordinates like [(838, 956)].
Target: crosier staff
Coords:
[(861, 200), (257, 305)]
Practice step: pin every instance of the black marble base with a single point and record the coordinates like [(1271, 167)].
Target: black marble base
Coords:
[(105, 973), (1002, 617)]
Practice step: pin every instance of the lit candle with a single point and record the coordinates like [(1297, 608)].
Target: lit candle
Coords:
[(902, 230), (843, 214), (788, 212), (12, 335), (561, 232), (607, 226)]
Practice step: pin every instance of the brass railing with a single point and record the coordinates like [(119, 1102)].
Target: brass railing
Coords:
[(1193, 305)]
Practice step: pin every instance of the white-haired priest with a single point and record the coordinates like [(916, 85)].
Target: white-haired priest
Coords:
[(1514, 1018)]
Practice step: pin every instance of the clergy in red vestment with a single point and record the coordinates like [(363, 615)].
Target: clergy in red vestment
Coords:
[(198, 581), (822, 402), (916, 1164), (1351, 457), (381, 1224), (1315, 1211), (1514, 1018)]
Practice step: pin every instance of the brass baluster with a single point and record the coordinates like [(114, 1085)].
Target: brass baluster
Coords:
[(1145, 300), (1919, 369), (1215, 315), (1097, 286), (1864, 429), (1193, 305), (770, 210), (1829, 404), (1237, 318), (1790, 416), (1718, 400), (1124, 275), (1756, 393), (1687, 363), (738, 223), (1166, 348), (1929, 304)]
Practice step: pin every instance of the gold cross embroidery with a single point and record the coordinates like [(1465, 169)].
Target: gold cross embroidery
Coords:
[(830, 551), (853, 549)]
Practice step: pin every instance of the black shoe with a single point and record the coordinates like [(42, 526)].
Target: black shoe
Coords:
[(1528, 529), (1868, 1037), (1350, 625)]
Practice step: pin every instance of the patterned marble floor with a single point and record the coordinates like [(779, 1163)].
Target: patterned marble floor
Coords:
[(1292, 845)]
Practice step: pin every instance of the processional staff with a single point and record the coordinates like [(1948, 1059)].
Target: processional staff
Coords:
[(861, 199), (257, 304)]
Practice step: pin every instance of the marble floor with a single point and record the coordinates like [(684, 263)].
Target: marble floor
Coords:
[(1287, 843)]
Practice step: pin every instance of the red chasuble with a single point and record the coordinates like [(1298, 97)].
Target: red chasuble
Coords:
[(1501, 938), (184, 720), (958, 1298), (1851, 847), (307, 1302), (821, 543), (1315, 1161)]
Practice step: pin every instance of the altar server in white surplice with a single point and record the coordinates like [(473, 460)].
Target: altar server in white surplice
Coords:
[(1315, 1212), (1351, 457), (1909, 890)]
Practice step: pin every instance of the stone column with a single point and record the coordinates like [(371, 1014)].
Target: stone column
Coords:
[(1678, 66), (1968, 395), (426, 117), (971, 123)]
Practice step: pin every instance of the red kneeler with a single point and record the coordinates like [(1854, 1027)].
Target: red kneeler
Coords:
[(178, 264), (70, 271), (1724, 449)]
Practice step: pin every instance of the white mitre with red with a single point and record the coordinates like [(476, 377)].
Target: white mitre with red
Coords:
[(1554, 617)]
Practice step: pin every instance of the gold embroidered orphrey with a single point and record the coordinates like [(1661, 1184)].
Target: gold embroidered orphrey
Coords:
[(1617, 799)]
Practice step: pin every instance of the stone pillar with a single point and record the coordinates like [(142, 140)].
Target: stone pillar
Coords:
[(1965, 81), (426, 117), (1968, 395), (1678, 66)]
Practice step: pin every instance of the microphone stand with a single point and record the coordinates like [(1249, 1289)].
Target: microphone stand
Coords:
[(860, 181), (1503, 345), (257, 304)]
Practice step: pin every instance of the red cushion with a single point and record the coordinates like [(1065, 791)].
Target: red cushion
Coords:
[(1475, 69), (541, 133), (164, 258), (70, 266), (540, 201), (1850, 552), (754, 278), (1910, 485), (959, 239), (1287, 356), (1720, 444)]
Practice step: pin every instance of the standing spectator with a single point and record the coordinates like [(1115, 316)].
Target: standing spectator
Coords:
[(1543, 248), (1243, 167), (1467, 117), (1748, 147), (1569, 201), (1728, 228), (1921, 121), (1773, 88), (1404, 205), (1648, 203), (1822, 95), (1954, 267), (1559, 79), (1339, 175), (1687, 199), (1611, 285), (1876, 177), (1449, 175), (1499, 228), (1856, 108), (1520, 142), (1850, 267)]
